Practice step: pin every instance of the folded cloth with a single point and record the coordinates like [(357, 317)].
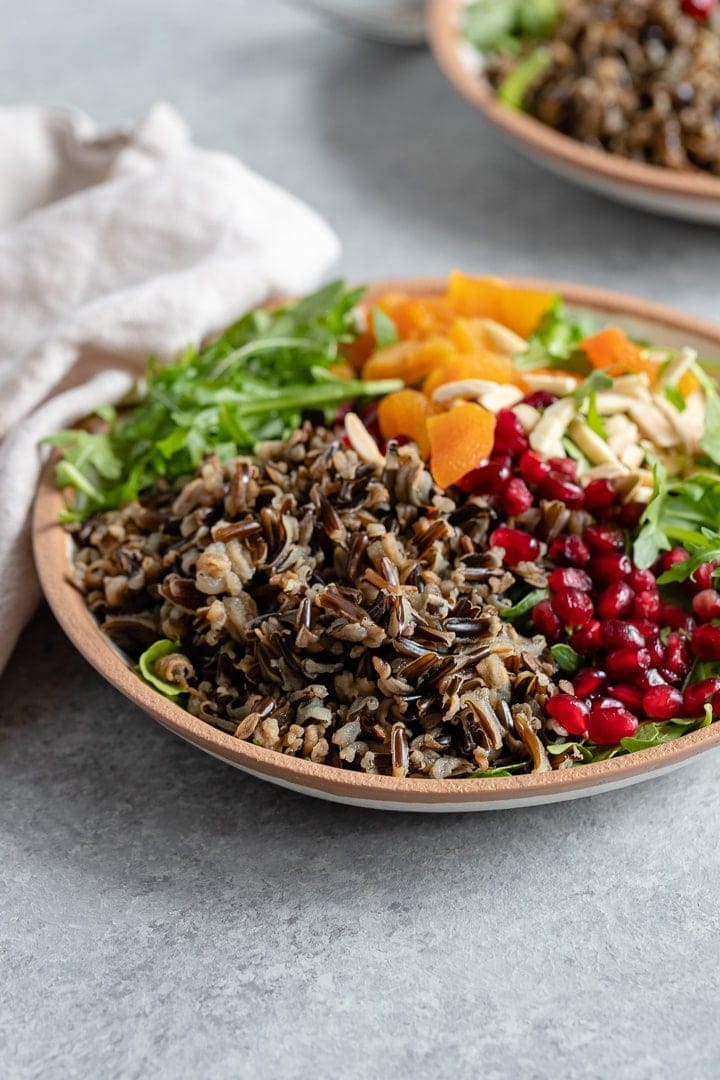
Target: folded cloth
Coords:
[(115, 245)]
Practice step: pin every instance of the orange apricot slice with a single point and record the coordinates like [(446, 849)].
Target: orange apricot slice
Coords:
[(405, 413), (459, 440), (410, 361)]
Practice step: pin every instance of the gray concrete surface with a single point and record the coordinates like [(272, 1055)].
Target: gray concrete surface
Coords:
[(164, 916)]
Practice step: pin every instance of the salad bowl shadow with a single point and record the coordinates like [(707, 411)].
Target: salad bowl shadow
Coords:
[(692, 196), (52, 548)]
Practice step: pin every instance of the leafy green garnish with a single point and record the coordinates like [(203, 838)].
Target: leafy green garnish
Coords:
[(565, 657), (654, 734), (384, 329), (499, 24), (678, 513), (555, 342), (675, 397), (500, 770), (595, 383), (570, 747), (594, 420), (525, 605), (254, 382), (149, 658), (515, 86)]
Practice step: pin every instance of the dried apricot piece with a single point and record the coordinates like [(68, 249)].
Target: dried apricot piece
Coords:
[(612, 351), (479, 365), (459, 440), (405, 413), (410, 361)]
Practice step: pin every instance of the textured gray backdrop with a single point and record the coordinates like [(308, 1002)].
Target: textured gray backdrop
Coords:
[(164, 916)]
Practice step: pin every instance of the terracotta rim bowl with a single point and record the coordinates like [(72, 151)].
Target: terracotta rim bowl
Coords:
[(565, 152), (51, 547)]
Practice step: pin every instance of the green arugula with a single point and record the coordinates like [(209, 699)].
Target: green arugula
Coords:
[(565, 657), (524, 606), (555, 342), (384, 329), (146, 666), (256, 381), (502, 24)]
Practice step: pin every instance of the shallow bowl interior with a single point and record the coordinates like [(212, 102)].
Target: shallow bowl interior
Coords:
[(52, 554)]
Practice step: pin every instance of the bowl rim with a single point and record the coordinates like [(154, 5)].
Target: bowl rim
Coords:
[(50, 546), (445, 42)]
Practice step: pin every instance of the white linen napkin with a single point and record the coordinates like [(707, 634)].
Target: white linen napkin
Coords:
[(115, 245)]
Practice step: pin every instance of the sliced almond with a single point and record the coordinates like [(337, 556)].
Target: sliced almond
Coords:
[(653, 423), (552, 425), (605, 472), (641, 493), (608, 402), (555, 382), (527, 415), (502, 398), (362, 441), (593, 447), (635, 385), (621, 433), (633, 456), (468, 389), (504, 339)]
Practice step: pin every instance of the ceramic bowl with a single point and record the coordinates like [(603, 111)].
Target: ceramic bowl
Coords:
[(52, 555), (694, 196)]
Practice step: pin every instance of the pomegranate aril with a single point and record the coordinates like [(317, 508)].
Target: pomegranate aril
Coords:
[(572, 606), (490, 478), (706, 605), (517, 497), (698, 694), (604, 569), (620, 635), (629, 696), (702, 578), (571, 713), (642, 580), (650, 678), (615, 601), (533, 468), (662, 702), (519, 546), (628, 515), (588, 639), (677, 654), (706, 642), (676, 618), (571, 550), (649, 630), (610, 722), (672, 677), (715, 704), (589, 681), (564, 465), (599, 495), (604, 539), (656, 650), (647, 605), (546, 621), (569, 577), (539, 399), (559, 488), (510, 437), (627, 664), (699, 9), (673, 556)]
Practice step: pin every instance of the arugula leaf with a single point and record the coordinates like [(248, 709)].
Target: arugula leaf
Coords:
[(565, 657), (555, 342), (654, 734), (651, 539), (675, 397), (486, 24), (596, 382), (146, 666), (681, 571), (514, 87), (594, 420), (384, 329), (254, 382), (569, 747), (500, 770), (525, 605)]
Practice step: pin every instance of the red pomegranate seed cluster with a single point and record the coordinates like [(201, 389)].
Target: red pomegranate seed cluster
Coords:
[(637, 649)]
